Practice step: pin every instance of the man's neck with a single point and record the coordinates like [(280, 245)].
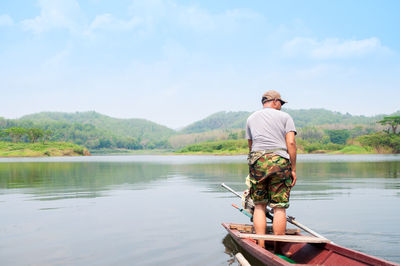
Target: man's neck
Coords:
[(268, 105)]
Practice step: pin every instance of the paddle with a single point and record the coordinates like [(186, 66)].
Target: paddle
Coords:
[(243, 211), (290, 219)]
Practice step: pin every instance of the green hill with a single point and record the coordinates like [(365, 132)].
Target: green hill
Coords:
[(220, 120), (302, 118), (137, 128), (96, 131), (320, 117)]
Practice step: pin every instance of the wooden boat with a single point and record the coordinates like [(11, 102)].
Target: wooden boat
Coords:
[(303, 251)]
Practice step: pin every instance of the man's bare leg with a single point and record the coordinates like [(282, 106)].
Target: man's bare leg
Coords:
[(279, 225), (260, 221)]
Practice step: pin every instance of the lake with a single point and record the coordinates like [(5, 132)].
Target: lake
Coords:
[(167, 210)]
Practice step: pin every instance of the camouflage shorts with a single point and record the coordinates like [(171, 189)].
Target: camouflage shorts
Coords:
[(270, 181)]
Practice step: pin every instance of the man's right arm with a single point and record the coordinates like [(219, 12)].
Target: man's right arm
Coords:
[(250, 144), (292, 150)]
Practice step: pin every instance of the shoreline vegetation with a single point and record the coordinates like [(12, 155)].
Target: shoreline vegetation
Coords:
[(378, 143), (223, 148), (70, 134), (357, 140), (39, 149)]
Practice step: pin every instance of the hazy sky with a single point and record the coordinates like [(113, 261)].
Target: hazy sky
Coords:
[(175, 62)]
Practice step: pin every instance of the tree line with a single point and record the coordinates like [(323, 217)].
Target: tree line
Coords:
[(85, 135), (20, 134), (96, 131), (313, 139), (91, 136), (389, 138)]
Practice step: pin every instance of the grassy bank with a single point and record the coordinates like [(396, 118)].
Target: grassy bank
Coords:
[(224, 147), (10, 149), (378, 143), (355, 149)]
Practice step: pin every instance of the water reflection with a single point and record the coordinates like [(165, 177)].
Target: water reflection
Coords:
[(91, 179), (232, 248), (51, 181), (321, 180)]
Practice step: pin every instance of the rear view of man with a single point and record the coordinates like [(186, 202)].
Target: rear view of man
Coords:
[(272, 162)]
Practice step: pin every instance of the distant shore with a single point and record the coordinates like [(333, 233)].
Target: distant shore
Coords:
[(49, 149), (39, 149), (346, 151), (240, 147)]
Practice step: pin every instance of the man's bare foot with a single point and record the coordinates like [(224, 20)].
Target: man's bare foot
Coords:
[(278, 250), (261, 244), (287, 254)]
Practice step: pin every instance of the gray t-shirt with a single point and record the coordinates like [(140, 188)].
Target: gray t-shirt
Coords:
[(267, 128)]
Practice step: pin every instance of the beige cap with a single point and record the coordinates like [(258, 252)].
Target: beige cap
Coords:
[(272, 95)]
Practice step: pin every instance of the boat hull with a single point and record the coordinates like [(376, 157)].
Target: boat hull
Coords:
[(303, 253)]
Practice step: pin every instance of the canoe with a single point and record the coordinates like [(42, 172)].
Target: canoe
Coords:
[(303, 252)]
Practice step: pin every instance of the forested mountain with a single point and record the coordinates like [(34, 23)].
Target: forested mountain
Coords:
[(137, 128), (319, 117), (220, 120), (97, 131), (302, 118)]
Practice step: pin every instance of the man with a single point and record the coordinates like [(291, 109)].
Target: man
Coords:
[(272, 162)]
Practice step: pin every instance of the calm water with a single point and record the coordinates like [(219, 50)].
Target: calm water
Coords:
[(167, 210)]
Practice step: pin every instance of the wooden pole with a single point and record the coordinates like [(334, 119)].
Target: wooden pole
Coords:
[(286, 238), (291, 220), (241, 259), (231, 190)]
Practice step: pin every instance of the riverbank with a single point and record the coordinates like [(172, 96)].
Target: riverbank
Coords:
[(218, 148), (19, 149), (131, 152), (240, 147)]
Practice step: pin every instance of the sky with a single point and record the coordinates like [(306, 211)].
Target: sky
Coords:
[(175, 62)]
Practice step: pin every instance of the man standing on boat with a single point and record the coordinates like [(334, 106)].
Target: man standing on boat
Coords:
[(272, 162)]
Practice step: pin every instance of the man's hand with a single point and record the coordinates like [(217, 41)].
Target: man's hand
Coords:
[(292, 150), (294, 178)]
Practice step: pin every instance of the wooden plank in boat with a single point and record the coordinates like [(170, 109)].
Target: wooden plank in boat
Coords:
[(250, 228), (286, 238), (241, 227)]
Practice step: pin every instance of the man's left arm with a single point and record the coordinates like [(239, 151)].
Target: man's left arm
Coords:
[(292, 150), (249, 136)]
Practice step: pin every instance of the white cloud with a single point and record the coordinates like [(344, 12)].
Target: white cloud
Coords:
[(109, 22), (332, 48), (65, 14), (6, 20), (146, 15), (324, 72), (160, 13), (194, 18)]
